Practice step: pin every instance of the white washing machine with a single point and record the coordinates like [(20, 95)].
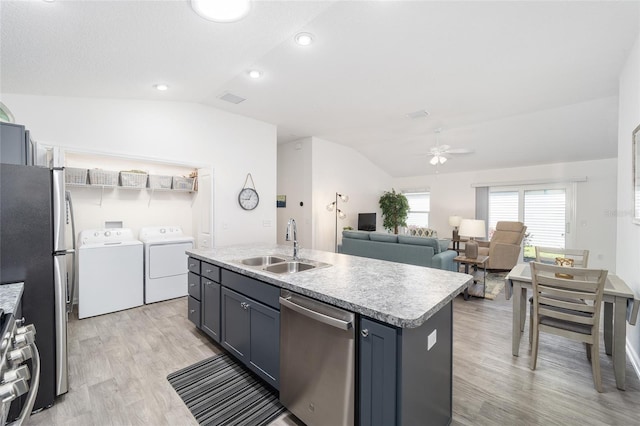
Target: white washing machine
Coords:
[(110, 265), (165, 262)]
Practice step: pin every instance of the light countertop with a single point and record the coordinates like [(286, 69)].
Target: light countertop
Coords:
[(394, 293), (10, 295)]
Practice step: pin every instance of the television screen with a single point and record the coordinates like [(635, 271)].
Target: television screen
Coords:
[(366, 221)]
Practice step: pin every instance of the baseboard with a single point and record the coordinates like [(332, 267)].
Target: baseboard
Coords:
[(635, 359)]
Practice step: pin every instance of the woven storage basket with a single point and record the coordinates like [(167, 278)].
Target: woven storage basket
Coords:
[(103, 177), (133, 180), (160, 182), (183, 183), (75, 176)]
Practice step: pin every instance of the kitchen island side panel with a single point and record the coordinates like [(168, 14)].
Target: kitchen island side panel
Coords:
[(425, 371)]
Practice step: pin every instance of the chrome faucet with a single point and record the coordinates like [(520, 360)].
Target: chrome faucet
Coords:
[(292, 221)]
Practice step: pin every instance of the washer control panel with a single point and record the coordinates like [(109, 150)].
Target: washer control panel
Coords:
[(106, 236), (160, 232)]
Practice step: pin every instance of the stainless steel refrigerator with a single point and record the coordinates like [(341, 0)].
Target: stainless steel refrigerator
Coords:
[(33, 214)]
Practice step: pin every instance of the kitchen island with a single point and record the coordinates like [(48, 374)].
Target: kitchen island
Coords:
[(404, 323)]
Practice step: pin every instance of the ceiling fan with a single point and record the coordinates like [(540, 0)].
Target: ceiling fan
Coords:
[(440, 153)]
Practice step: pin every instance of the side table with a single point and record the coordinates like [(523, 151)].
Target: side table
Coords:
[(479, 261), (455, 244)]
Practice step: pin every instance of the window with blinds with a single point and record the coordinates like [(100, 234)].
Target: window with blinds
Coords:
[(419, 203), (544, 211)]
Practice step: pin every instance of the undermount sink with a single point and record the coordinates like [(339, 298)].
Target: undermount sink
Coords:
[(281, 265), (289, 267), (262, 260)]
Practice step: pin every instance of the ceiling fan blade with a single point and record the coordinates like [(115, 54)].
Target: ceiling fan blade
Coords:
[(444, 148), (459, 151)]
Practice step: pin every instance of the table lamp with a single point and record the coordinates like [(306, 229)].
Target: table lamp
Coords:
[(472, 228), (455, 222)]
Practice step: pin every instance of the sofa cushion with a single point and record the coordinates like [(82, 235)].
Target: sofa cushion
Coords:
[(423, 232), (420, 241), (444, 244), (358, 235), (385, 238)]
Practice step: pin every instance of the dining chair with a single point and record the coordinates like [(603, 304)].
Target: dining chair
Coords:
[(568, 307), (548, 255)]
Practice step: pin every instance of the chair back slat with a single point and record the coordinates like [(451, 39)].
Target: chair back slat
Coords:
[(549, 254), (574, 300)]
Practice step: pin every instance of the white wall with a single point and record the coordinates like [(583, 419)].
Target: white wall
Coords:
[(337, 168), (628, 244), (172, 131), (312, 170), (294, 181), (596, 200)]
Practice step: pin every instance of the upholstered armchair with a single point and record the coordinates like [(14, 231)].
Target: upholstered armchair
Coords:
[(504, 248)]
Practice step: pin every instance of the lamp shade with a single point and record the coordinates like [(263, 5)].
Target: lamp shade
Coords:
[(472, 228), (455, 221)]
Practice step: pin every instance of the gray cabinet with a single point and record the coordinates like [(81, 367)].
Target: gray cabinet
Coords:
[(406, 373), (251, 332), (193, 302), (377, 373), (210, 305)]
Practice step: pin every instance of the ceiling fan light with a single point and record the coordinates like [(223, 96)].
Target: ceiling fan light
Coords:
[(222, 10), (434, 160), (442, 159)]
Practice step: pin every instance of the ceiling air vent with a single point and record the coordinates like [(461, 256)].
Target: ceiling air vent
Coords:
[(418, 114), (230, 97)]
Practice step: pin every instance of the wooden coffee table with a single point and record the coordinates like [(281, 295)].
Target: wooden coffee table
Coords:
[(478, 261)]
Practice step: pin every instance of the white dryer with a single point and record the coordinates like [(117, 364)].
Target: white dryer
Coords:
[(110, 265), (165, 262)]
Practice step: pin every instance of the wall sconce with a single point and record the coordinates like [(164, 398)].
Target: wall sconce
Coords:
[(339, 214)]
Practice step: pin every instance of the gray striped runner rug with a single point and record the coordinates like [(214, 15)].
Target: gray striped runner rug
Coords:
[(219, 391)]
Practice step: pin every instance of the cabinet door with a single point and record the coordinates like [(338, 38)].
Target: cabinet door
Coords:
[(211, 309), (377, 374), (194, 311), (264, 338), (235, 323)]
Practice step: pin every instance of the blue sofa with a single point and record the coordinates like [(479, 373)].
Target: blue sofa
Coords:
[(421, 251)]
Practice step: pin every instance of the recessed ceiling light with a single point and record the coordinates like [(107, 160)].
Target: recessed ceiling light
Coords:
[(255, 73), (161, 87), (418, 114), (222, 10), (48, 1), (304, 39)]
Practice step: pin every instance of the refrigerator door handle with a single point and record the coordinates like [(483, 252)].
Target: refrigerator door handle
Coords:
[(59, 211), (60, 283)]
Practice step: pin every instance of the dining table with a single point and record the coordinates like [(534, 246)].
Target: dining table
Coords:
[(620, 307)]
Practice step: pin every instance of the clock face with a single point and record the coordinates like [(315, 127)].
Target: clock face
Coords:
[(248, 199)]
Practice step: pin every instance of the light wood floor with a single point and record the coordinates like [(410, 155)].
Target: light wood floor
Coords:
[(119, 362)]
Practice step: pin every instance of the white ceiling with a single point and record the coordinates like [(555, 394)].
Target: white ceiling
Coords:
[(520, 83)]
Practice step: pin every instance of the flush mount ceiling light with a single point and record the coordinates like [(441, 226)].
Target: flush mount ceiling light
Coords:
[(304, 39), (222, 10), (161, 87), (255, 74)]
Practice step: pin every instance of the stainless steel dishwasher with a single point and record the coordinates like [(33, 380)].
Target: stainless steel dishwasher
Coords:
[(317, 361)]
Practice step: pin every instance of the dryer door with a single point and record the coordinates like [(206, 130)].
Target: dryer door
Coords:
[(168, 260)]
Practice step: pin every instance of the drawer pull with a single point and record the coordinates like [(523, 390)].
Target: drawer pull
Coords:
[(244, 305), (192, 311), (365, 332), (209, 270), (191, 265), (192, 285), (208, 283)]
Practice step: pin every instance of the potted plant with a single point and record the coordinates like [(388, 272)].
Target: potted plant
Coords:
[(395, 208)]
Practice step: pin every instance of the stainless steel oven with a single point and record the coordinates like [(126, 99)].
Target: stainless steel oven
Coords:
[(317, 361), (17, 351)]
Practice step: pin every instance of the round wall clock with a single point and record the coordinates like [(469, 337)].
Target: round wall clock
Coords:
[(248, 198)]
